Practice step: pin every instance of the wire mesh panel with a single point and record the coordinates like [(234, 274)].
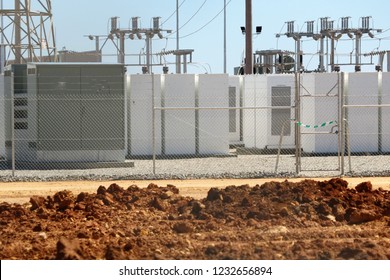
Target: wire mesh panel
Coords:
[(363, 122), (319, 124), (65, 116), (384, 113), (74, 121), (367, 116), (143, 94), (213, 126), (216, 154), (80, 113), (255, 122)]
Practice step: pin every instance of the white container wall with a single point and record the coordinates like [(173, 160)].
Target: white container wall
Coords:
[(213, 124), (140, 110), (319, 104), (308, 114), (177, 131), (363, 122), (262, 127), (255, 123), (235, 91), (385, 112), (179, 125)]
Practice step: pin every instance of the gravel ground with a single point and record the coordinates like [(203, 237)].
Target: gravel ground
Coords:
[(241, 166)]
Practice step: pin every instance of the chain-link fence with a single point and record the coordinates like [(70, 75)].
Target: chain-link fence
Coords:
[(87, 121), (367, 116)]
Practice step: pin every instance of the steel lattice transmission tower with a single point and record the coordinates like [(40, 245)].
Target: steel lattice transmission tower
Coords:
[(27, 32)]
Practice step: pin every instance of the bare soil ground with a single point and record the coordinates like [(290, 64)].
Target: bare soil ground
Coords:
[(196, 219)]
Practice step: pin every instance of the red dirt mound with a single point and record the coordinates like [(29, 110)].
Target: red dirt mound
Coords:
[(305, 220)]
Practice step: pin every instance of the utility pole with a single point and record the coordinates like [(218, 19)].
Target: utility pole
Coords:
[(224, 37), (248, 38), (177, 38)]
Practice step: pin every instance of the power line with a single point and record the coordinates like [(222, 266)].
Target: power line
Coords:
[(189, 18), (196, 31), (386, 30), (174, 12), (193, 15), (210, 21)]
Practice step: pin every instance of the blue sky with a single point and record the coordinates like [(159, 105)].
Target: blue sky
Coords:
[(73, 19)]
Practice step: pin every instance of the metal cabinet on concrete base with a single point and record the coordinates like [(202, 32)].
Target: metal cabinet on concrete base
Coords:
[(76, 112)]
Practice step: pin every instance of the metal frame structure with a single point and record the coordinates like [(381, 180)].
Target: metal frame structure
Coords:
[(27, 32), (134, 32), (328, 31), (117, 34), (273, 61)]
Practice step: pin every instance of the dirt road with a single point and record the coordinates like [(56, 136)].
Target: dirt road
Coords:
[(20, 192)]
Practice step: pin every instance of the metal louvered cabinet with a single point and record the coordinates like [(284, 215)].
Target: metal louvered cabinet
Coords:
[(78, 111)]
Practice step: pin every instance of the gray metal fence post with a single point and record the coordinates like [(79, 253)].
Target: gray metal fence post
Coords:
[(12, 124), (344, 89), (297, 120), (380, 136), (341, 122), (153, 127)]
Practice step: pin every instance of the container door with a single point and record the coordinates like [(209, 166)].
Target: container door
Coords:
[(102, 108), (59, 108)]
